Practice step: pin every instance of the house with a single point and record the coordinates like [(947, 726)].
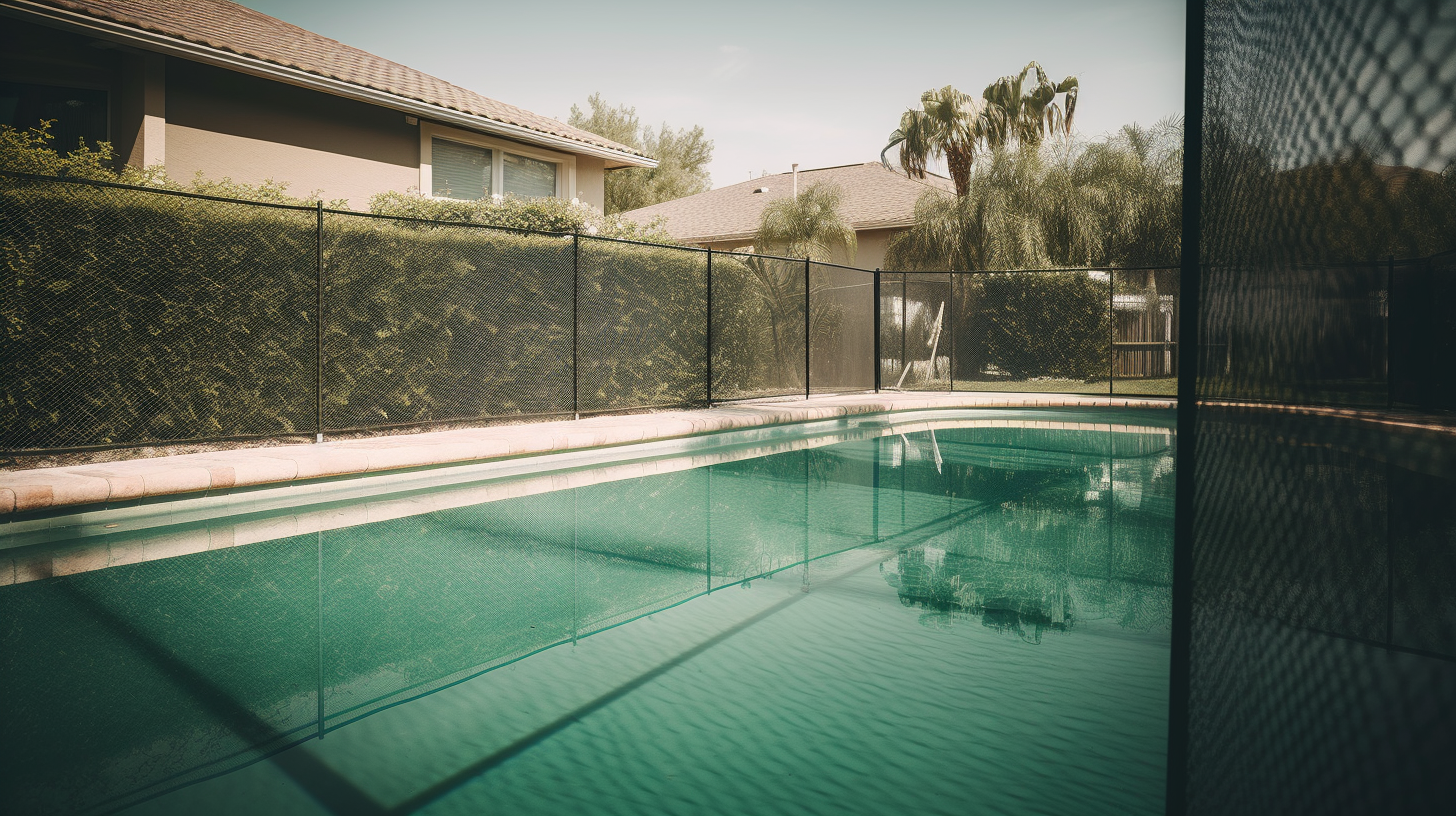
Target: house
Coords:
[(210, 86), (878, 203)]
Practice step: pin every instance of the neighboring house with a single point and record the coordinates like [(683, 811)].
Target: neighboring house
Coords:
[(878, 203), (210, 86)]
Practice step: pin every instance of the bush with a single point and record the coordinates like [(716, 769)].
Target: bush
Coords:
[(133, 316), (1033, 324)]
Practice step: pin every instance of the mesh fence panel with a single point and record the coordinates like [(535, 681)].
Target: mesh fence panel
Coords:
[(1145, 332), (1422, 326), (924, 341), (841, 329), (429, 322), (758, 326), (135, 317), (642, 325), (892, 328), (1307, 335), (1321, 676), (1032, 331)]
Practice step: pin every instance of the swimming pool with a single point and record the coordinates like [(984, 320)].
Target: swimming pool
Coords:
[(903, 613)]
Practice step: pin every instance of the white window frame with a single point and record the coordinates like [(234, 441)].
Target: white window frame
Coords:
[(565, 162)]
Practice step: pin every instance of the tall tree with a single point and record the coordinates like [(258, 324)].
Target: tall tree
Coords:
[(807, 226), (957, 126), (682, 156), (1116, 202)]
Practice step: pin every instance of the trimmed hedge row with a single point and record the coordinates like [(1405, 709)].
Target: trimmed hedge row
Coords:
[(133, 317)]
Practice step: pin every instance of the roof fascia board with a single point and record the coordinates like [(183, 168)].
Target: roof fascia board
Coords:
[(739, 236), (172, 46)]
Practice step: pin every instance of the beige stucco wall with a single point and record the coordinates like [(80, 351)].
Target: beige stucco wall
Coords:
[(869, 252), (225, 124), (872, 244), (195, 118), (591, 181)]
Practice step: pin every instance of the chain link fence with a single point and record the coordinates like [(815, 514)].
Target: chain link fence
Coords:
[(138, 316), (1066, 331)]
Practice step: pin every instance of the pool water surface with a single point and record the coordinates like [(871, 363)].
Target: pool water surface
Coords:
[(924, 618)]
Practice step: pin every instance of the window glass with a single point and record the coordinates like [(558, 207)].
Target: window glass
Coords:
[(529, 178), (78, 113), (458, 170)]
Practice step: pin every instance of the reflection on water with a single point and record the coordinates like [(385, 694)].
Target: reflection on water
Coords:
[(1091, 543), (127, 681)]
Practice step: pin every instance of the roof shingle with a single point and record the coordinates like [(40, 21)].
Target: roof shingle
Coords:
[(230, 27), (874, 198)]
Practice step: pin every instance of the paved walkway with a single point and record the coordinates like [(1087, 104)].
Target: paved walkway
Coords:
[(105, 483)]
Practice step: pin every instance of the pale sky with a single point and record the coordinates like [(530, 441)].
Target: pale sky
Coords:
[(772, 83)]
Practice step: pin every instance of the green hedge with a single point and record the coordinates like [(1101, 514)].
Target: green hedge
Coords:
[(1032, 324), (133, 316)]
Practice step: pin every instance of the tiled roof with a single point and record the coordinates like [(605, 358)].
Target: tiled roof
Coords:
[(230, 27), (874, 198)]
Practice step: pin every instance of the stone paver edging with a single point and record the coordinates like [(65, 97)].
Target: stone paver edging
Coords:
[(23, 491)]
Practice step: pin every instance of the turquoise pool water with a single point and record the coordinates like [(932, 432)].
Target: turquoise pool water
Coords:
[(915, 619)]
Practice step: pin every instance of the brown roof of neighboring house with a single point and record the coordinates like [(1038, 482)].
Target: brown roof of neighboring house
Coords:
[(874, 198), (229, 27)]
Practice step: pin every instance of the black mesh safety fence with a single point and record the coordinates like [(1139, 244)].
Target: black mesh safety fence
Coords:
[(841, 329), (1144, 331), (759, 328), (1316, 543), (891, 328), (642, 325), (430, 322), (1033, 331), (135, 316), (1422, 333), (925, 345), (1310, 335)]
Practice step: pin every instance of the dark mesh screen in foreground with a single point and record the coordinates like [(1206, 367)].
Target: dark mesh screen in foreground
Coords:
[(1322, 672), (841, 329), (435, 322), (135, 317)]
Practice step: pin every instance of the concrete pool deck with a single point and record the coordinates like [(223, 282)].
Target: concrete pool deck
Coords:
[(137, 480)]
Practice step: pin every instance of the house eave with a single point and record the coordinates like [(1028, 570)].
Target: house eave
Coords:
[(864, 226), (173, 46)]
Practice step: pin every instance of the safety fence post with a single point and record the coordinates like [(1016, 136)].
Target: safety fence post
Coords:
[(318, 319), (878, 307), (806, 328), (710, 327), (575, 322)]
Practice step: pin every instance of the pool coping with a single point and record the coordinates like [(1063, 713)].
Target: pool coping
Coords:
[(25, 492)]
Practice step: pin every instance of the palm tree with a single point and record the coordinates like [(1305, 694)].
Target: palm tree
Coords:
[(807, 226), (1115, 203), (949, 124), (957, 126), (1017, 116)]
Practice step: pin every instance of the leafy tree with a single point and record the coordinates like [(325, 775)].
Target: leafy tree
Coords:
[(1116, 202), (957, 126), (682, 156), (807, 226)]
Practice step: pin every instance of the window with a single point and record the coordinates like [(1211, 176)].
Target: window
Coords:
[(78, 113), (468, 166), (529, 178), (460, 171)]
